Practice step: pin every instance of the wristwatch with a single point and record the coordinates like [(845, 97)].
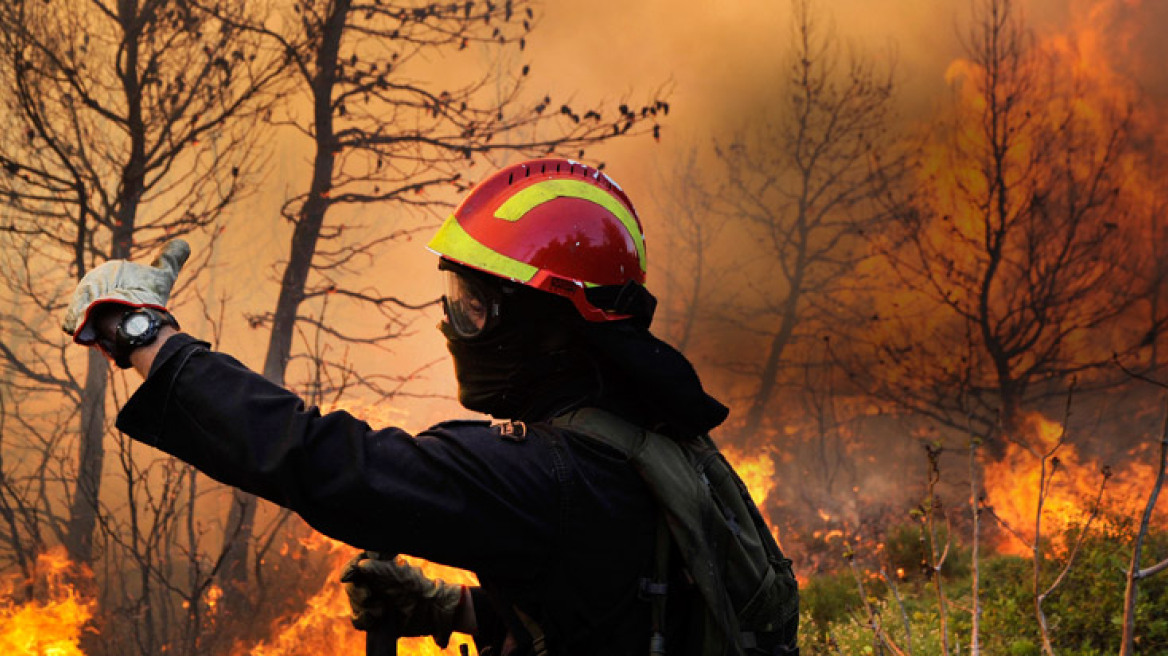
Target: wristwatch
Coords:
[(138, 327)]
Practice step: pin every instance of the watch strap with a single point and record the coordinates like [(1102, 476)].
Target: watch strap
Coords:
[(123, 344)]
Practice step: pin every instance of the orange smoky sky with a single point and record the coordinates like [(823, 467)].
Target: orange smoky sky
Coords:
[(717, 63), (722, 61)]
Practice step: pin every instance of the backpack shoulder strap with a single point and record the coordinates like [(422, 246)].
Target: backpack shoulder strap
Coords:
[(681, 494), (606, 428)]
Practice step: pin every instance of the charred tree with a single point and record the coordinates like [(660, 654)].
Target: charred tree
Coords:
[(1008, 262), (693, 236), (129, 123), (805, 182)]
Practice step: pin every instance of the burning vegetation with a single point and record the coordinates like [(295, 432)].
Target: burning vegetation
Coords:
[(45, 615), (1068, 487)]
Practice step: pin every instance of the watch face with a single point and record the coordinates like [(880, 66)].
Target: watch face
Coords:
[(136, 325)]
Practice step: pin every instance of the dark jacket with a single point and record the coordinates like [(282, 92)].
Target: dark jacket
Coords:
[(555, 525)]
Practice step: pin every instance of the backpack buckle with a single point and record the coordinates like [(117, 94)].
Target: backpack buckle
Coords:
[(515, 431), (656, 644), (649, 588)]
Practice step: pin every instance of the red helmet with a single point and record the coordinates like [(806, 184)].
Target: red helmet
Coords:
[(552, 224)]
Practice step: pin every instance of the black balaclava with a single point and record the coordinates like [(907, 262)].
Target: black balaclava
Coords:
[(541, 359), (526, 365)]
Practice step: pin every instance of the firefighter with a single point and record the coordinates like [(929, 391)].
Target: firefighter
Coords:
[(545, 311)]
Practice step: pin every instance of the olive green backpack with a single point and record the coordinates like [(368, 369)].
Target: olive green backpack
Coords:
[(751, 598)]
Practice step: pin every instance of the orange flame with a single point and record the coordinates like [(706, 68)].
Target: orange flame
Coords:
[(214, 594), (48, 627), (757, 471), (1012, 486)]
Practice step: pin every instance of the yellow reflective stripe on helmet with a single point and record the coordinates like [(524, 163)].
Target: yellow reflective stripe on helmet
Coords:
[(541, 192), (456, 243)]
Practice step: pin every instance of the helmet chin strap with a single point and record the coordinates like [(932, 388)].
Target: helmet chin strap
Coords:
[(630, 299)]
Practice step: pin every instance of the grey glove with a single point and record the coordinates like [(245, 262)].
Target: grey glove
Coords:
[(393, 590), (125, 283)]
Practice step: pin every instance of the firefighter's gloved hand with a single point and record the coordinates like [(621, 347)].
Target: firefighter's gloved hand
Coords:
[(394, 590), (125, 283)]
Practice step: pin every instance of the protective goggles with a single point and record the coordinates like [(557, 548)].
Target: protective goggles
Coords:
[(470, 306)]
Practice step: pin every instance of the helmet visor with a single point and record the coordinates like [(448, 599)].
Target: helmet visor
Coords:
[(469, 306)]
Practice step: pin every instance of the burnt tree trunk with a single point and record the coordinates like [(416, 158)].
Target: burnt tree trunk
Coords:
[(91, 454), (796, 282), (241, 519), (91, 451), (774, 357)]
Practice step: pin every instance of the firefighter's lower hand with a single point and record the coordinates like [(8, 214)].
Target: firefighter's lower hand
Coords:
[(395, 591), (123, 283)]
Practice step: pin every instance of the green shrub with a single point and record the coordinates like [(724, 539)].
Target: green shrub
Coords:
[(905, 551), (1024, 647), (828, 598), (1085, 613), (851, 634)]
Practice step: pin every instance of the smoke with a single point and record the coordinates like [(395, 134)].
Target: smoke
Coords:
[(846, 473), (718, 64)]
